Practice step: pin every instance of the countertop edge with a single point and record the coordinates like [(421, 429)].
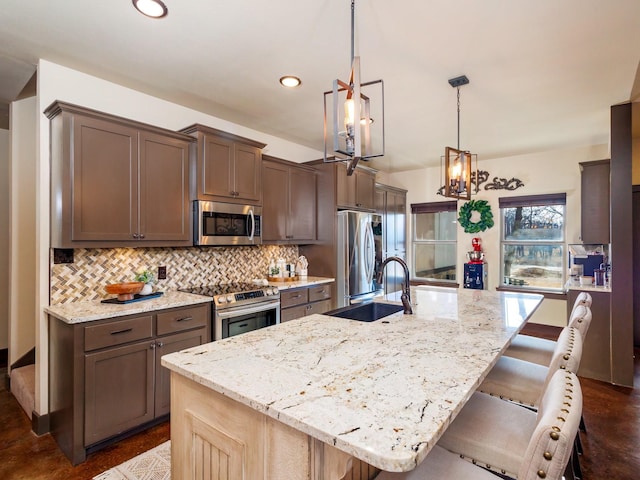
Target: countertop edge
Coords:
[(307, 282), (81, 312)]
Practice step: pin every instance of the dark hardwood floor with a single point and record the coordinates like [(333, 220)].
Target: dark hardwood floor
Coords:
[(612, 416)]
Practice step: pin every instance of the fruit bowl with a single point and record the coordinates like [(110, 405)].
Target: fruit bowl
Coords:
[(124, 291)]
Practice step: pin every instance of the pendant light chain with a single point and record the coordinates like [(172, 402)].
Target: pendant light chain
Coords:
[(458, 88), (353, 16)]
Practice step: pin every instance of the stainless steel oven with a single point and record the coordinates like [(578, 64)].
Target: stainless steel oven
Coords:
[(240, 307), (217, 223)]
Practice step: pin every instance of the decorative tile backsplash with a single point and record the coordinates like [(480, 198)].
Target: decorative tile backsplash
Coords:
[(192, 266)]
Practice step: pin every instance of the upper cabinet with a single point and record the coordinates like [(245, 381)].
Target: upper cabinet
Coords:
[(594, 201), (228, 167), (116, 182), (289, 202), (391, 203), (356, 191)]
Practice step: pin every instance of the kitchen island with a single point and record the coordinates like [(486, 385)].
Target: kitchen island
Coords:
[(299, 400)]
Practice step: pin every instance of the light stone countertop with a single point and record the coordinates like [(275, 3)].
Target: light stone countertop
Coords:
[(79, 312), (574, 285), (382, 391), (302, 282)]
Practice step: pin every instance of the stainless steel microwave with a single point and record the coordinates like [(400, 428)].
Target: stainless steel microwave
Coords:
[(218, 223)]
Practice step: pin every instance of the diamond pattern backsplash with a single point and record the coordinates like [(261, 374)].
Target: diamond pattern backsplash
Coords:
[(94, 268)]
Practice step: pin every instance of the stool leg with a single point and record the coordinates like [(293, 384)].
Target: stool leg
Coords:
[(575, 461), (583, 427), (578, 442)]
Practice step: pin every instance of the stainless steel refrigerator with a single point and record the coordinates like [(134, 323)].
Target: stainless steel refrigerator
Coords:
[(359, 255)]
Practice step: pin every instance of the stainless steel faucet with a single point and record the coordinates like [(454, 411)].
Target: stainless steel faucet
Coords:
[(405, 298)]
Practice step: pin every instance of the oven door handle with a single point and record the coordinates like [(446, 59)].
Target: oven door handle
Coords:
[(236, 312)]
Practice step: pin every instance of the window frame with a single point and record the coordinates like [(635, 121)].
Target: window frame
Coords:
[(534, 201), (424, 208)]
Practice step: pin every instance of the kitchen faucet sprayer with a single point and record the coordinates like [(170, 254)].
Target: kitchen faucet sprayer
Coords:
[(405, 298)]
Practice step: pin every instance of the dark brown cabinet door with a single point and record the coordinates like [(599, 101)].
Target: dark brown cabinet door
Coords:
[(345, 187), (302, 205), (365, 189), (164, 189), (165, 346), (216, 167), (118, 390), (247, 173), (275, 203), (594, 201), (104, 181)]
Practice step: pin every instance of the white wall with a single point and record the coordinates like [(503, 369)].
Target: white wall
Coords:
[(541, 173), (56, 82), (4, 238), (22, 274)]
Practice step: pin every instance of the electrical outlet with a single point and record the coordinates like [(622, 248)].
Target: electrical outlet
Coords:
[(162, 273)]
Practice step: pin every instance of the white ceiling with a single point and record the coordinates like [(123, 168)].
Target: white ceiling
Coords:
[(543, 73)]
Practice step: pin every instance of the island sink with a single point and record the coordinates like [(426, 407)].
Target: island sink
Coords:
[(366, 312)]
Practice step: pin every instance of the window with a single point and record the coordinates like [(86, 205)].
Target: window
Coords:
[(434, 240), (533, 249)]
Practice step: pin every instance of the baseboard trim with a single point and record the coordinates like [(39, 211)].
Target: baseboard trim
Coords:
[(40, 423)]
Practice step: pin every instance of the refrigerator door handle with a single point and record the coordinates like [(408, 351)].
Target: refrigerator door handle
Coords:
[(370, 252)]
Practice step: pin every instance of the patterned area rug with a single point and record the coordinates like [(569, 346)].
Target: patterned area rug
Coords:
[(152, 465)]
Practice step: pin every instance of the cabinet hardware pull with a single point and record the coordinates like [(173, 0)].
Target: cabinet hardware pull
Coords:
[(141, 235), (152, 346), (184, 319), (243, 325), (135, 235), (118, 332), (160, 344), (296, 296)]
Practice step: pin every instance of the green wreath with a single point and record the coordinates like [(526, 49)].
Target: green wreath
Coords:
[(486, 217)]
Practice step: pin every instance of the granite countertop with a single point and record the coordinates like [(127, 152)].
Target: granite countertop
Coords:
[(79, 312), (570, 285), (302, 282), (382, 391)]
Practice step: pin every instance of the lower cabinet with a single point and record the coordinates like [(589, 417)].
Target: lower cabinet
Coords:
[(300, 302), (106, 378)]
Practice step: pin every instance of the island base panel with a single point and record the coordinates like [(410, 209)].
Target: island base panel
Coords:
[(217, 438)]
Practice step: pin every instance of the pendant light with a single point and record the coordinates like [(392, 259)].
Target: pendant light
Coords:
[(348, 121), (457, 162)]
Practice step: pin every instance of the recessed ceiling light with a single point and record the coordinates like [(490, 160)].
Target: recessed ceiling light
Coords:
[(151, 8), (290, 81)]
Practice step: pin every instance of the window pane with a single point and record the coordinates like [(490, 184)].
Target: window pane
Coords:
[(533, 265), (532, 224), (435, 261), (435, 226)]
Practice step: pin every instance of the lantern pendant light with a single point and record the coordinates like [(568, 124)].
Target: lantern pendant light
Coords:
[(347, 115), (457, 162)]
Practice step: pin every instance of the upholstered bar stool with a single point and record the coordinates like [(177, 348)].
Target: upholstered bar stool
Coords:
[(539, 350), (525, 382), (506, 438)]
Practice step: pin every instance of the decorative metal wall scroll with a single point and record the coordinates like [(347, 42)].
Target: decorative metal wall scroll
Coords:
[(481, 177)]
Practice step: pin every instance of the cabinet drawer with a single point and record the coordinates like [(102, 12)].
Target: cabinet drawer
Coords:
[(182, 319), (292, 313), (320, 292), (117, 332), (319, 307), (290, 298)]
